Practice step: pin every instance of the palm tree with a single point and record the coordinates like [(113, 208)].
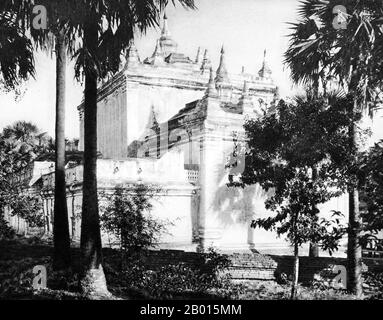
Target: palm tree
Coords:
[(100, 54), (61, 239), (97, 32), (20, 144), (16, 53), (319, 53), (51, 40), (54, 40)]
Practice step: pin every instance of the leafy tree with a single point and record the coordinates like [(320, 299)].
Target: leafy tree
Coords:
[(6, 232), (283, 149), (371, 187), (20, 144), (125, 214), (297, 217), (26, 206), (324, 53)]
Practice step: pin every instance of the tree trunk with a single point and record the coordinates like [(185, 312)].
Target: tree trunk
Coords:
[(93, 280), (61, 239), (295, 272), (354, 249), (314, 248)]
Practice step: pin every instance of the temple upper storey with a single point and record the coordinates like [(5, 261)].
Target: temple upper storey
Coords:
[(167, 66), (168, 62), (164, 83)]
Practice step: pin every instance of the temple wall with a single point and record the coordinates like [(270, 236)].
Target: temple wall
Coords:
[(166, 102), (177, 210), (123, 117), (227, 212), (112, 126)]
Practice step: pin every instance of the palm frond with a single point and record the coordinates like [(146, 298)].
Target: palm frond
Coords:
[(16, 54)]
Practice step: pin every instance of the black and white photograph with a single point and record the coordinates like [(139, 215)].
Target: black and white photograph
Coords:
[(211, 152)]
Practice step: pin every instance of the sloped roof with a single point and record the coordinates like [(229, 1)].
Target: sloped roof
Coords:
[(178, 58)]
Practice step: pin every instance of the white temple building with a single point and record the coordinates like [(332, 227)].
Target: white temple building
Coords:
[(170, 120)]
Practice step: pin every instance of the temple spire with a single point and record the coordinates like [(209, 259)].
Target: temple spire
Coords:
[(222, 75), (265, 71), (245, 98), (245, 89), (132, 56), (206, 63), (245, 101), (211, 90), (166, 43), (157, 49), (165, 29), (199, 58), (157, 55), (153, 123)]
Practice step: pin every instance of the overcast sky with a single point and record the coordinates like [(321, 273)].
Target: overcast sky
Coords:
[(245, 27)]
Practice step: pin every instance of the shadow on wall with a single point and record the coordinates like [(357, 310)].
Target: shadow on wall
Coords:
[(235, 205)]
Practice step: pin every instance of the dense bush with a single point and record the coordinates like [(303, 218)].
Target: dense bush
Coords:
[(126, 215), (373, 285), (27, 207), (6, 232)]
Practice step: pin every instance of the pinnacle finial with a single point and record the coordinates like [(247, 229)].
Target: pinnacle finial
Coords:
[(157, 49), (211, 75), (198, 57), (211, 89), (165, 29), (265, 71), (206, 63), (132, 56), (153, 118), (245, 87), (245, 100), (206, 54), (221, 71)]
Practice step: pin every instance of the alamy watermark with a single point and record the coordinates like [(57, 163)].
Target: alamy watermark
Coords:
[(40, 18), (40, 278), (340, 20)]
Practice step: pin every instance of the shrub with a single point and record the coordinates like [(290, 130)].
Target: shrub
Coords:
[(215, 262), (29, 208), (6, 232), (373, 285), (126, 215)]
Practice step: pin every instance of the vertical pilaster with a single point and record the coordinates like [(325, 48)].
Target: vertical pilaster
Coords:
[(210, 221)]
